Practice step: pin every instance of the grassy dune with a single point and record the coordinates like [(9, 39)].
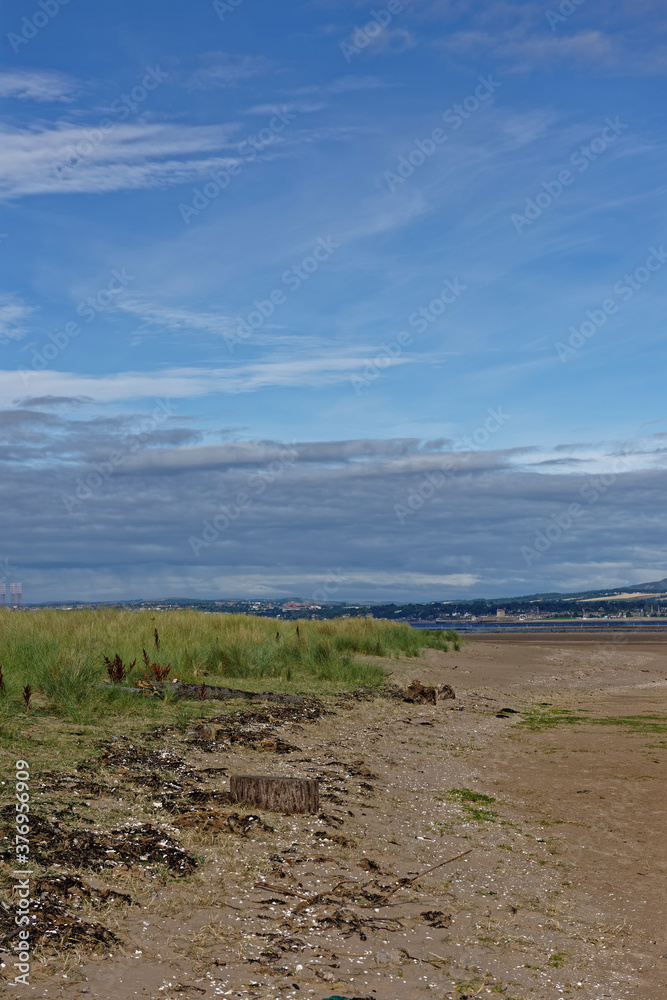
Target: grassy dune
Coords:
[(60, 655)]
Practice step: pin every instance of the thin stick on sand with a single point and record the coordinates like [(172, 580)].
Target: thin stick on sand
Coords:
[(416, 878)]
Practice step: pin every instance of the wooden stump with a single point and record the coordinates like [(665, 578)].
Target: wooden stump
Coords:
[(284, 795)]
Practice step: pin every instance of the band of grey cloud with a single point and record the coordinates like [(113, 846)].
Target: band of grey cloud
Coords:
[(468, 515)]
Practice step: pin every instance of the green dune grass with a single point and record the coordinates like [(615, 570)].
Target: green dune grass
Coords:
[(60, 654)]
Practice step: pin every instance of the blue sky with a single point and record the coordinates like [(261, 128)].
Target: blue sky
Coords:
[(368, 245)]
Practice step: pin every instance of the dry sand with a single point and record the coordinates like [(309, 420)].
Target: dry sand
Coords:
[(562, 894)]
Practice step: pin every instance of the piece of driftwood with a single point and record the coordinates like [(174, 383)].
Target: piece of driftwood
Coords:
[(417, 693), (284, 795), (195, 692), (405, 882)]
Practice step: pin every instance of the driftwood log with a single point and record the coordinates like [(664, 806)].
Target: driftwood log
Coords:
[(195, 692), (284, 795), (419, 694)]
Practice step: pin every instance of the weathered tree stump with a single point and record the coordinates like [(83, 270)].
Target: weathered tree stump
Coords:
[(284, 795)]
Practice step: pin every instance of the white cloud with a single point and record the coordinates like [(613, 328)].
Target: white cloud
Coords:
[(322, 369), (392, 41), (63, 159), (37, 85), (13, 315), (528, 49), (383, 213), (298, 107), (519, 35), (179, 320), (220, 69), (348, 83), (141, 155)]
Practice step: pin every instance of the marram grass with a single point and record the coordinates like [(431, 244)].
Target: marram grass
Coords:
[(60, 654)]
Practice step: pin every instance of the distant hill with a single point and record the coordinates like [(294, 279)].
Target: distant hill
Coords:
[(659, 587), (656, 587)]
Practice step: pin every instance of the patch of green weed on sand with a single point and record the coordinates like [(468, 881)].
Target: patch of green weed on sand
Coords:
[(473, 803), (539, 718), (636, 723)]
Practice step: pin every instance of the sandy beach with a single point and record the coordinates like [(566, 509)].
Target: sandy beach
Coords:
[(559, 802)]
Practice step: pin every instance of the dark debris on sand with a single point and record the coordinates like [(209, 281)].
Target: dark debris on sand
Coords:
[(66, 843), (52, 899), (253, 730), (142, 845)]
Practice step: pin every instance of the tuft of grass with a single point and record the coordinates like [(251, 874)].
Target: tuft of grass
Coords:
[(472, 803), (467, 795)]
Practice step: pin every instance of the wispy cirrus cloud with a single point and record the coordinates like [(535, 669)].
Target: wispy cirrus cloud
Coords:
[(349, 84), (223, 69), (132, 156), (533, 36), (160, 317), (323, 367), (38, 85), (14, 314), (352, 83), (526, 49)]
